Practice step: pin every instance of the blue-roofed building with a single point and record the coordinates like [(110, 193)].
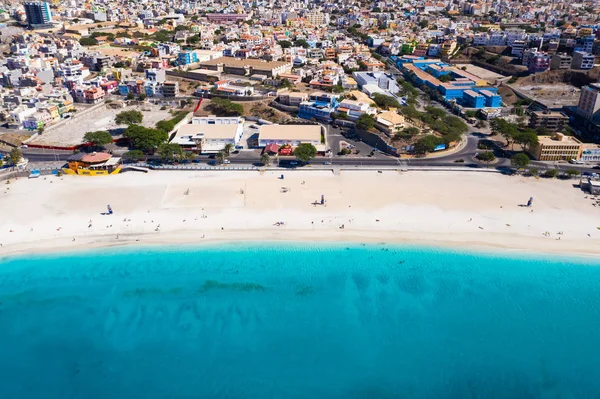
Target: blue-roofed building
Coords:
[(492, 100), (472, 99), (319, 106)]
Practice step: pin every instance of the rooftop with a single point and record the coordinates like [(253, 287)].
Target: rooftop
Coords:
[(290, 132), (236, 62)]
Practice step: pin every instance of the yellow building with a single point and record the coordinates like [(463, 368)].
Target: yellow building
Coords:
[(556, 148), (94, 164)]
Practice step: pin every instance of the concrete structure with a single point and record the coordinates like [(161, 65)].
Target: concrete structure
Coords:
[(290, 135), (292, 98), (248, 66), (38, 14), (589, 102), (319, 106), (538, 62), (582, 60), (209, 135), (218, 17), (550, 120), (561, 61), (354, 109), (389, 122), (556, 148), (590, 153)]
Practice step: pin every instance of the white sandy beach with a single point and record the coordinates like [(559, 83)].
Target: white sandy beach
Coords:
[(464, 210)]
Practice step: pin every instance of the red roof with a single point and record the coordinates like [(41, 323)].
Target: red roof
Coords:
[(96, 157), (272, 148)]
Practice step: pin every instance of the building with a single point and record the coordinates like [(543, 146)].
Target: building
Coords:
[(354, 109), (589, 102), (319, 106), (291, 98), (560, 61), (538, 62), (245, 67), (290, 135), (96, 163), (317, 18), (170, 89), (556, 148), (38, 14), (473, 99), (590, 153), (582, 60), (550, 120), (389, 122), (218, 17), (209, 135)]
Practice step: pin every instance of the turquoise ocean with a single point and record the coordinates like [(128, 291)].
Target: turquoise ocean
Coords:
[(299, 321)]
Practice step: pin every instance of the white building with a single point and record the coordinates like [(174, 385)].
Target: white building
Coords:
[(582, 60), (209, 135)]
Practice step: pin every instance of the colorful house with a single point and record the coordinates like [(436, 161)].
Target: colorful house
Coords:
[(94, 164)]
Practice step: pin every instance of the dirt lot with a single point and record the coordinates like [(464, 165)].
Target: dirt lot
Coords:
[(555, 95), (71, 132)]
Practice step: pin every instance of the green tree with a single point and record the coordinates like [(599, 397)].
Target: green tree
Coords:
[(305, 152), (301, 43), (435, 113), (534, 172), (142, 97), (15, 156), (165, 125), (169, 151), (445, 78), (129, 118), (144, 139), (228, 149), (526, 138), (486, 156), (385, 102), (130, 96), (220, 157), (88, 41), (572, 172), (365, 122), (285, 44), (98, 138), (265, 159), (224, 107), (134, 156), (520, 160), (427, 144), (551, 173)]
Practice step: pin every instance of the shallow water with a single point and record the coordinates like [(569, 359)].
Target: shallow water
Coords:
[(299, 321)]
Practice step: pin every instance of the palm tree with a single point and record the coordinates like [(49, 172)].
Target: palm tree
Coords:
[(228, 149), (220, 157), (265, 159)]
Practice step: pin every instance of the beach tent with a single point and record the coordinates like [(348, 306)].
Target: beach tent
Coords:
[(35, 173)]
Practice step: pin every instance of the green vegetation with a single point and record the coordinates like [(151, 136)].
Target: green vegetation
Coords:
[(285, 44), (169, 151), (301, 43), (98, 138), (445, 78), (129, 118), (265, 159), (512, 133), (15, 156), (224, 107), (305, 152), (130, 96), (165, 126), (88, 41), (365, 122), (427, 144), (134, 155), (572, 172), (513, 80), (486, 156), (145, 139), (385, 102), (551, 173), (520, 160)]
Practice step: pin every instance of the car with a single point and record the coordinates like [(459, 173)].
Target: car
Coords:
[(239, 147), (327, 163), (226, 161), (24, 146), (576, 162), (596, 167)]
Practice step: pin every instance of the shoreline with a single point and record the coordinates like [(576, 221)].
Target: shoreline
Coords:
[(64, 246), (462, 210)]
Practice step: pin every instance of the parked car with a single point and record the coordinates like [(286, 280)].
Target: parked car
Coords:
[(226, 161), (576, 162)]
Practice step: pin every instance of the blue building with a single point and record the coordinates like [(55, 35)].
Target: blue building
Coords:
[(473, 99), (492, 100), (187, 57), (38, 14), (319, 106)]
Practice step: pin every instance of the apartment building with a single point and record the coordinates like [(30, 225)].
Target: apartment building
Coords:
[(589, 102), (550, 120), (582, 60), (556, 148), (560, 61)]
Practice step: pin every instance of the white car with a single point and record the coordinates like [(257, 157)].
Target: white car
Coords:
[(226, 161), (576, 162)]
